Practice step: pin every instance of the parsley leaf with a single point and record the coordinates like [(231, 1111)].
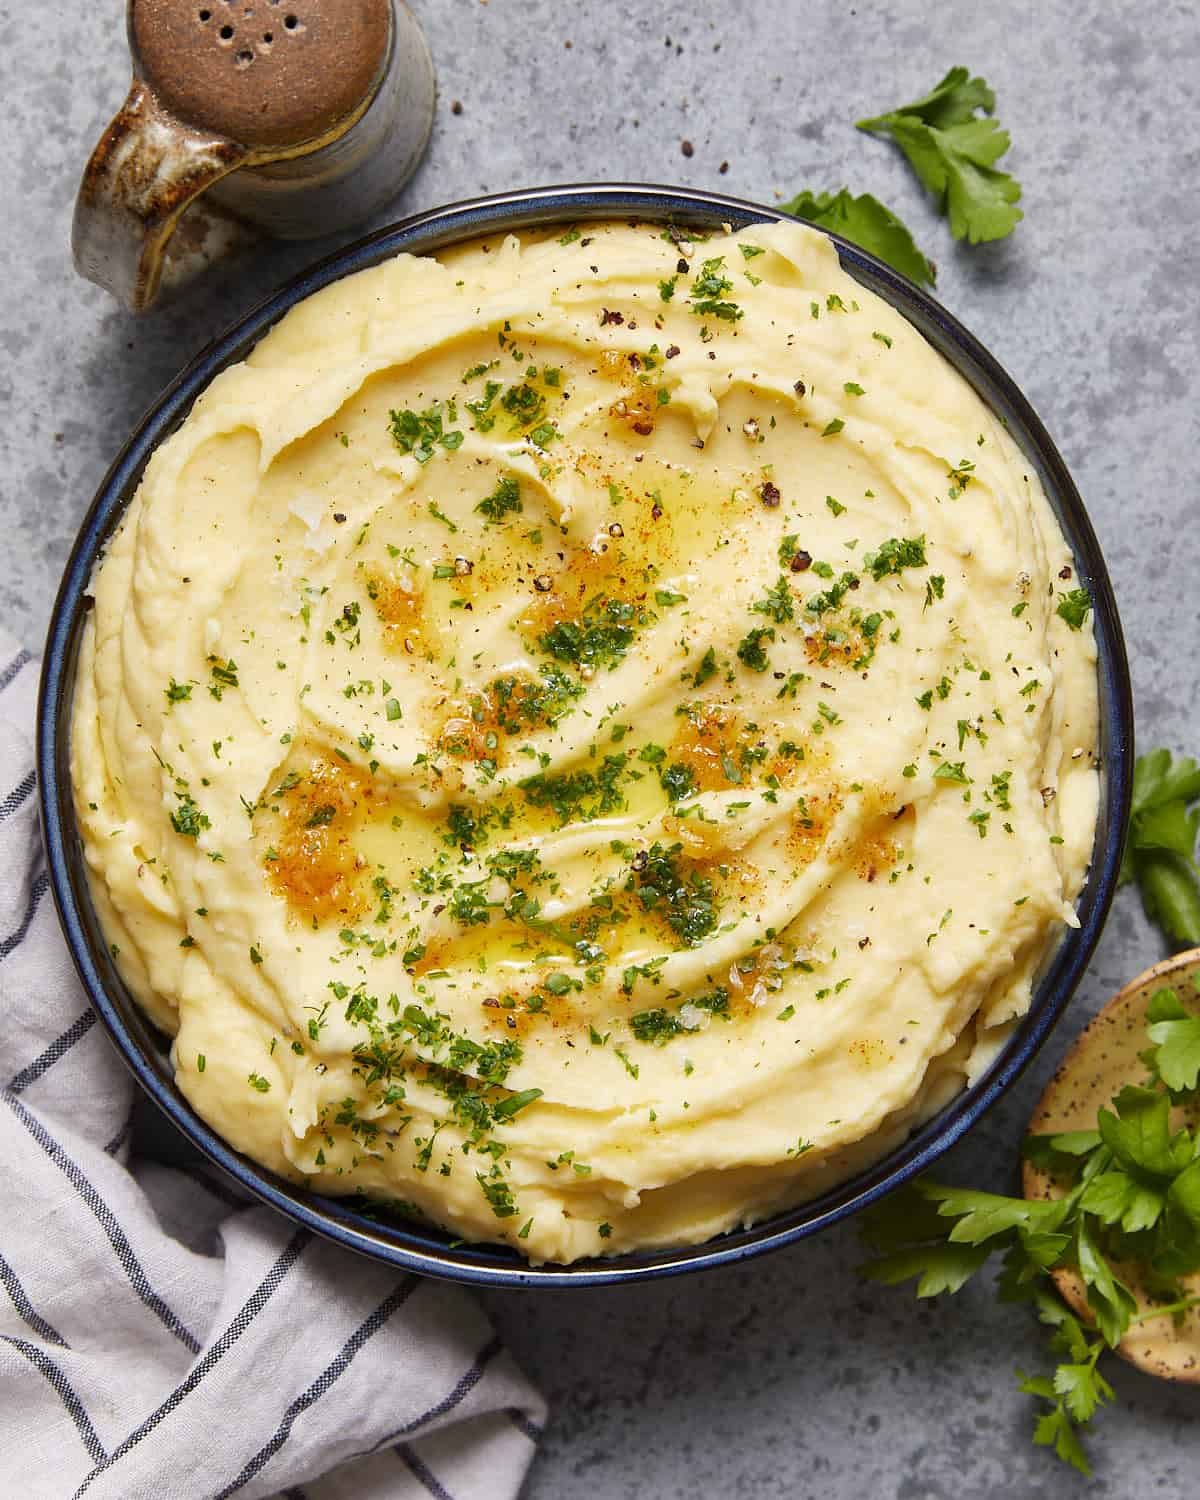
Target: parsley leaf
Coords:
[(1176, 1035), (954, 151), (1083, 1389), (1160, 849), (982, 1216), (865, 222), (941, 1268), (1171, 899), (1159, 779), (1111, 1302), (1138, 1134)]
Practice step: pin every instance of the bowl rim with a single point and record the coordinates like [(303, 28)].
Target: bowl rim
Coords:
[(427, 1251)]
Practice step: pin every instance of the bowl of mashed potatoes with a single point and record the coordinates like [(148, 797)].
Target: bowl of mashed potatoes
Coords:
[(589, 736)]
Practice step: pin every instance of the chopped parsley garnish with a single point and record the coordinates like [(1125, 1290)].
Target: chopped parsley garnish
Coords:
[(524, 403), (1074, 607), (422, 433), (498, 1194), (831, 599), (683, 897), (706, 669), (959, 478), (508, 1109), (519, 704), (187, 819), (504, 500), (955, 771), (599, 638), (677, 781), (751, 652), (894, 555), (778, 602), (481, 410), (469, 905), (579, 795), (224, 674), (708, 298), (659, 1026), (438, 514)]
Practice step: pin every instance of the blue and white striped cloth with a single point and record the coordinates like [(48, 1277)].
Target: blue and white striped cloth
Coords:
[(161, 1339)]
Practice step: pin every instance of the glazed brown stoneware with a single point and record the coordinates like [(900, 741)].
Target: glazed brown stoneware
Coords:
[(269, 76), (1103, 1060), (292, 118)]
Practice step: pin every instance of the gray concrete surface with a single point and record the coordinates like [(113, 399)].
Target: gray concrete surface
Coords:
[(789, 1377)]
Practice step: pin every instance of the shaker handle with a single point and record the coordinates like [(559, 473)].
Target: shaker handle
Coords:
[(142, 176)]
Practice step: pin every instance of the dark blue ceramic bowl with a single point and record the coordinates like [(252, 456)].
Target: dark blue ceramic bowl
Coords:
[(428, 1250)]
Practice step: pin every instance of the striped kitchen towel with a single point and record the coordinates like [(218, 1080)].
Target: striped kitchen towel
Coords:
[(160, 1338)]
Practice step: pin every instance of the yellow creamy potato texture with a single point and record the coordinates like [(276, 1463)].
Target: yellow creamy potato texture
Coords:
[(586, 739)]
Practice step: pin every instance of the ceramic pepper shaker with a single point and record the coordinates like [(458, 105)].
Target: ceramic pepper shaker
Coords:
[(291, 118)]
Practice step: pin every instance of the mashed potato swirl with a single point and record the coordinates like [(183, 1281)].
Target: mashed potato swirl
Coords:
[(586, 739)]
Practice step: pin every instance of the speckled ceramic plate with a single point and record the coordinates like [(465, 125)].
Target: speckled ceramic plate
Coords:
[(429, 1250), (1103, 1060)]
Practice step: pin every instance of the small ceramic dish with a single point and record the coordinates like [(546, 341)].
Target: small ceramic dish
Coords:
[(431, 1251)]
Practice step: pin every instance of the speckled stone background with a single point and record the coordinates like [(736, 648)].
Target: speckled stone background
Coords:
[(789, 1377)]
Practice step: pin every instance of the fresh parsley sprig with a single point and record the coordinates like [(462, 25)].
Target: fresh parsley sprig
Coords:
[(867, 222), (1130, 1193), (1161, 845), (953, 148)]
